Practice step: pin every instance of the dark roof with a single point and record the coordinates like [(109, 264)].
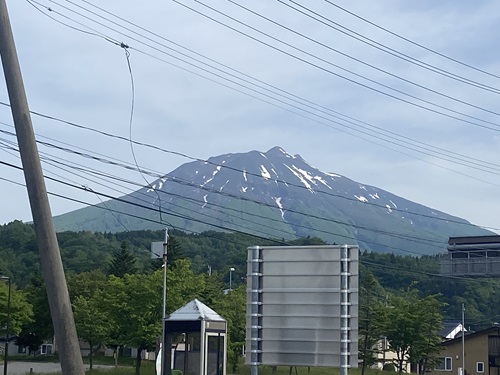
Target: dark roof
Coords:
[(473, 240), (447, 328)]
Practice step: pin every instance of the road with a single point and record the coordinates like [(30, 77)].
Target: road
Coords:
[(16, 367)]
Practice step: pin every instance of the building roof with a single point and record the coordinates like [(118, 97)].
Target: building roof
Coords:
[(474, 240), (450, 330), (193, 311), (494, 329)]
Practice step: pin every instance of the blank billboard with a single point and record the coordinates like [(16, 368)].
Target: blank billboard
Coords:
[(302, 305)]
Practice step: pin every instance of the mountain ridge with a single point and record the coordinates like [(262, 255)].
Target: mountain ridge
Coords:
[(278, 195)]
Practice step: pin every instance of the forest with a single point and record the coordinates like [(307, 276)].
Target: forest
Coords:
[(114, 281)]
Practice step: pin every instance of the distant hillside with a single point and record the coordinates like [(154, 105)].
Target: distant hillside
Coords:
[(275, 195)]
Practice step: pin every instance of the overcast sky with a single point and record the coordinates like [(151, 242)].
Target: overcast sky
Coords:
[(83, 77)]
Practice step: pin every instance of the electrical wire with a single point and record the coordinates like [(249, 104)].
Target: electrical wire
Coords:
[(332, 72), (411, 41), (378, 231), (388, 50), (288, 94), (158, 175), (348, 132), (320, 67), (315, 41)]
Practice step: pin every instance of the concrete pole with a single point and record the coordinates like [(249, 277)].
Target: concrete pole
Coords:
[(164, 312), (50, 257), (463, 339)]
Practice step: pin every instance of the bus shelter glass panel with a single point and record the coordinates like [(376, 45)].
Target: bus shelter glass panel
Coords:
[(214, 354)]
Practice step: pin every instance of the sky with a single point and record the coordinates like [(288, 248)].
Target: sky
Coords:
[(307, 76)]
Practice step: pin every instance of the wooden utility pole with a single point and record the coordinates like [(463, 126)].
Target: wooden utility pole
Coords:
[(50, 257)]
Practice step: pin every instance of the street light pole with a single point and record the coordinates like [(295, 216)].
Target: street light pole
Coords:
[(8, 325), (231, 270)]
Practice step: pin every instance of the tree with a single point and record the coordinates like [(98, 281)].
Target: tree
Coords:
[(136, 303), (92, 319), (371, 318), (93, 324), (123, 262), (40, 328), (21, 311), (412, 327)]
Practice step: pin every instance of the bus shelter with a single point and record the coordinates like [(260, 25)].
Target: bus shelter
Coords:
[(197, 336)]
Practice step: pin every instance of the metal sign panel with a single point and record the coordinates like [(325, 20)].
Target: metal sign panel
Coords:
[(302, 306), (157, 250)]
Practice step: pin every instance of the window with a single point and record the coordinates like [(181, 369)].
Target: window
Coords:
[(21, 349), (46, 349), (480, 367), (444, 364)]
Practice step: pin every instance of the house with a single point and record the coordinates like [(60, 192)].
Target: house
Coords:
[(384, 356), (482, 354)]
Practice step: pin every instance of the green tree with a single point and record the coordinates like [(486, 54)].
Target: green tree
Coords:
[(123, 262), (40, 328), (93, 323), (371, 318), (21, 311), (136, 303), (232, 307), (412, 327)]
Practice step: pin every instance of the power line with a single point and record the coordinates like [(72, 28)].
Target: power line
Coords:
[(337, 74), (411, 41), (316, 66), (385, 140), (387, 49), (427, 242), (157, 175), (313, 40)]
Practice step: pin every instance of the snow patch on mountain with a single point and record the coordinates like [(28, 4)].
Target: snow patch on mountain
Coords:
[(223, 186), (320, 179), (245, 175), (300, 177), (244, 189), (332, 174), (264, 173), (278, 203), (205, 200), (217, 169), (361, 198)]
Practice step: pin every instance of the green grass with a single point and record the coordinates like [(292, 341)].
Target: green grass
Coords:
[(285, 370)]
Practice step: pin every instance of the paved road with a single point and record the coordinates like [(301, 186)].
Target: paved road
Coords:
[(16, 368)]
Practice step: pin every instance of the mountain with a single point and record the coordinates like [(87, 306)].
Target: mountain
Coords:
[(275, 195)]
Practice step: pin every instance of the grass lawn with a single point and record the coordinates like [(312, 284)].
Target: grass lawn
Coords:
[(285, 370), (126, 367)]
